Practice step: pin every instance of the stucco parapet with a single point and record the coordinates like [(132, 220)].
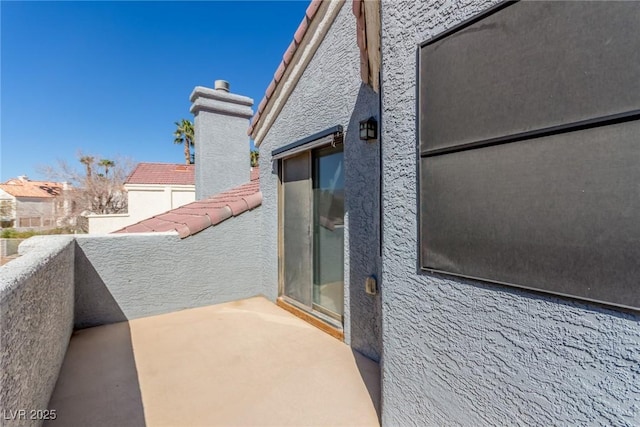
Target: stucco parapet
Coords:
[(34, 253)]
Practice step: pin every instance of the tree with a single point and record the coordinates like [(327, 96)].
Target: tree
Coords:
[(254, 156), (88, 192), (106, 164), (7, 208), (184, 134), (87, 161)]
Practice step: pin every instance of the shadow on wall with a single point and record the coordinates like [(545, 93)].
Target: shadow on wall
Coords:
[(100, 368), (362, 185), (94, 304)]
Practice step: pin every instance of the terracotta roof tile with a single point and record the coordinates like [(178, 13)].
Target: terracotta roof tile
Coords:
[(238, 206), (288, 54), (162, 173), (253, 200), (197, 223), (138, 228), (302, 29), (219, 215), (159, 225), (279, 72), (270, 89), (28, 188), (183, 230), (199, 215), (313, 8), (263, 104)]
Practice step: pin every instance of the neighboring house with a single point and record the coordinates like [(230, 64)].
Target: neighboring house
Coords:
[(151, 188), (31, 205), (449, 188)]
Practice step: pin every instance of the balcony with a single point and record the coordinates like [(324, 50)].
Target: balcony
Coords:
[(134, 346)]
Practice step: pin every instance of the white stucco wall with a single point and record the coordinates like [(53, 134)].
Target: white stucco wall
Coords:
[(145, 201), (460, 352), (330, 93)]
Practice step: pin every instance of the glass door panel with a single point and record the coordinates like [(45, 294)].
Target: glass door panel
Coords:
[(296, 194), (328, 230)]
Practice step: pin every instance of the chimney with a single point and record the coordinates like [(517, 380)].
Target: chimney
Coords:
[(221, 141)]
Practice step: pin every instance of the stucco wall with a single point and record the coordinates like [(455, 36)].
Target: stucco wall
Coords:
[(126, 276), (36, 321), (222, 152), (9, 247), (108, 223), (33, 207), (330, 93), (459, 352), (144, 201)]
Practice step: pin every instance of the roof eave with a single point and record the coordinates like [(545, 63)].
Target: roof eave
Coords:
[(310, 34)]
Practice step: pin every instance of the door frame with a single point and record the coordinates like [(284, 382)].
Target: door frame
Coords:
[(310, 314)]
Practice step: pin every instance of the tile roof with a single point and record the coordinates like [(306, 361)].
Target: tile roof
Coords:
[(27, 188), (201, 214), (286, 59), (255, 174), (162, 173)]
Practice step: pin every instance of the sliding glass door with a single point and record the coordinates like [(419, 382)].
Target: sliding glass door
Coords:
[(296, 228), (312, 223)]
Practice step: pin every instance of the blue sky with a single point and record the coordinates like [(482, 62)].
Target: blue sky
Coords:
[(111, 78)]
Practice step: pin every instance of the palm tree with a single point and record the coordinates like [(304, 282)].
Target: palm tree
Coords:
[(254, 156), (87, 161), (106, 164), (184, 135)]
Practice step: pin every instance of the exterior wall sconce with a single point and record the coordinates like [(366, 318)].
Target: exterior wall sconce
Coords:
[(368, 129)]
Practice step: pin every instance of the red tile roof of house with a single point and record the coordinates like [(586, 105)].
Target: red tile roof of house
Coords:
[(201, 214), (162, 173), (28, 188), (286, 59)]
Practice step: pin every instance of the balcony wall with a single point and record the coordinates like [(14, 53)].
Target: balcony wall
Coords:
[(65, 282), (127, 276), (36, 307)]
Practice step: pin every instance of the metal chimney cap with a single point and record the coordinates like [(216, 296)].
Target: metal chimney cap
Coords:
[(221, 85)]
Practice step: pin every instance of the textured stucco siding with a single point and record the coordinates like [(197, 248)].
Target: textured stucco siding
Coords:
[(458, 352), (330, 93), (36, 321), (127, 276), (222, 156)]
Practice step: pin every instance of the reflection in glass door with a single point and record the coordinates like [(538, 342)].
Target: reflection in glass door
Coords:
[(296, 195), (328, 230), (312, 221)]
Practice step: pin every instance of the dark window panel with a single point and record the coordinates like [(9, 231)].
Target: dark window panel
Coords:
[(557, 214), (529, 66)]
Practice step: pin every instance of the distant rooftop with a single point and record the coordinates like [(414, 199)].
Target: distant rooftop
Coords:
[(24, 187), (162, 173), (201, 214)]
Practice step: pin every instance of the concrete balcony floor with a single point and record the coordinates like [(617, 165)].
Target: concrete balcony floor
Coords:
[(242, 363)]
